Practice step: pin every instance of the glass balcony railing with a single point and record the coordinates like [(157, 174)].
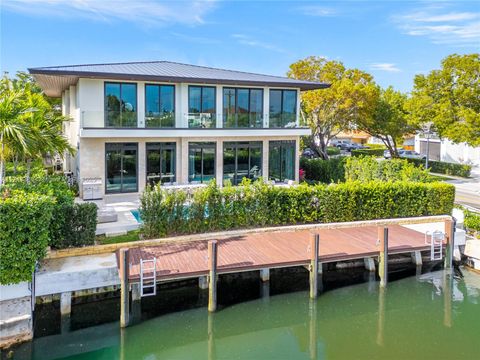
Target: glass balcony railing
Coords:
[(160, 120), (202, 120), (285, 120), (243, 120), (108, 119)]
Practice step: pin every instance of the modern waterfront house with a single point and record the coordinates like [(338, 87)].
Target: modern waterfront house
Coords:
[(147, 122)]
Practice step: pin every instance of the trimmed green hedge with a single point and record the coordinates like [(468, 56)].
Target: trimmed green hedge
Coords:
[(446, 168), (368, 152), (367, 168), (79, 226), (24, 233), (324, 171), (259, 204), (333, 150)]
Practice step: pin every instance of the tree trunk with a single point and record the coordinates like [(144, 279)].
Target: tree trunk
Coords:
[(27, 174), (15, 164), (322, 149)]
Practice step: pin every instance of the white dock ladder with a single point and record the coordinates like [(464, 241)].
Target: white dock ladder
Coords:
[(436, 244), (148, 277)]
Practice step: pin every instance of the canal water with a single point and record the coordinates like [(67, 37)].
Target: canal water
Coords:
[(432, 315)]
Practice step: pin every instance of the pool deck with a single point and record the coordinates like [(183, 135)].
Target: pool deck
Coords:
[(258, 251)]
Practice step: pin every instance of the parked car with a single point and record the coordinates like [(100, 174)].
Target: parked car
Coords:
[(309, 153), (341, 144), (410, 154)]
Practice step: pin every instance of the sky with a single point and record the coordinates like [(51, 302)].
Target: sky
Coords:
[(392, 40)]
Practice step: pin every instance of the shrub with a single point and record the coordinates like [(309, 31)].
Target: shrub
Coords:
[(446, 168), (368, 152), (325, 171), (367, 168), (79, 226), (24, 233), (472, 221), (333, 150), (260, 204)]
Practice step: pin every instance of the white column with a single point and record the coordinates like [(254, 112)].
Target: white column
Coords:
[(298, 107), (266, 107), (265, 155), (142, 166), (141, 105), (182, 176), (219, 106), (219, 162), (297, 159), (178, 105), (182, 120)]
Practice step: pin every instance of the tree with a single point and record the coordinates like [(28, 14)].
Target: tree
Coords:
[(30, 127), (389, 122), (450, 98), (351, 96)]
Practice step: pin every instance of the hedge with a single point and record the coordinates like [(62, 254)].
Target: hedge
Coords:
[(333, 150), (79, 226), (324, 171), (446, 168), (368, 152), (259, 204), (24, 233), (367, 168)]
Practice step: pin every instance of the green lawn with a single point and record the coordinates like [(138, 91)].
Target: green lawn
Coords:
[(133, 235)]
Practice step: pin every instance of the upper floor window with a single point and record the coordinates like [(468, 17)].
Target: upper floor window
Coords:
[(201, 106), (120, 105), (159, 106), (242, 107), (283, 108)]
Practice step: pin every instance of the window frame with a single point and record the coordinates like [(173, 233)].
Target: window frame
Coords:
[(105, 111), (242, 144), (282, 112), (236, 106), (122, 146), (162, 145), (159, 102), (201, 98), (203, 145), (282, 144)]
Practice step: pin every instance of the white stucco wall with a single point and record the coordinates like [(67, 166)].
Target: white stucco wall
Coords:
[(455, 153)]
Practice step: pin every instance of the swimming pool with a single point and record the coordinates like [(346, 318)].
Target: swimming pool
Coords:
[(137, 216)]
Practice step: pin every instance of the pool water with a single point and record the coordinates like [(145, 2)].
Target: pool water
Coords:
[(136, 214), (429, 316)]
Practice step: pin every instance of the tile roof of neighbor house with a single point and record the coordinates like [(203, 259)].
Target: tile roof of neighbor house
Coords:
[(55, 79)]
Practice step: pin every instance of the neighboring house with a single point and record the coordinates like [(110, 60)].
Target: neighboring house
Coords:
[(150, 122), (354, 136), (445, 150)]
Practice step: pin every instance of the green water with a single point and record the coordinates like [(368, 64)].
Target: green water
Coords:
[(429, 316)]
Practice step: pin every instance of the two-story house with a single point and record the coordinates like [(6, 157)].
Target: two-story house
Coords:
[(147, 122)]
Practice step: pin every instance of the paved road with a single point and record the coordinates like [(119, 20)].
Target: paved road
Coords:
[(466, 197)]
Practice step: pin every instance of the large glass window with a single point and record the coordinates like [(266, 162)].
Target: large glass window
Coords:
[(201, 107), (242, 107), (201, 161), (283, 108), (120, 105), (159, 106), (281, 162), (160, 162), (121, 167), (242, 160)]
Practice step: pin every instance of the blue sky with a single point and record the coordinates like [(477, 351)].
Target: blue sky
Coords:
[(392, 40)]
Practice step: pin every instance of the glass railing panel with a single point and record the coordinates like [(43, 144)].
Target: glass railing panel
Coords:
[(202, 120), (164, 120), (284, 120), (120, 119), (243, 121)]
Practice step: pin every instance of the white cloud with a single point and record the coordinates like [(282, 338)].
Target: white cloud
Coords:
[(441, 27), (248, 41), (384, 67), (144, 12), (315, 10)]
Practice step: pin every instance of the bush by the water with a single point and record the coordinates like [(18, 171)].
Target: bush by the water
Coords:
[(62, 227), (367, 168), (79, 226), (324, 171), (259, 204), (24, 233), (442, 167)]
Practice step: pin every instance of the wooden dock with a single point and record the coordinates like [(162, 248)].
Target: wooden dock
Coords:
[(267, 249), (271, 250)]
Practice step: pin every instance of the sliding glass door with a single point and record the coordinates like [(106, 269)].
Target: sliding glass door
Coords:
[(201, 162), (281, 162), (242, 160), (160, 162), (121, 167)]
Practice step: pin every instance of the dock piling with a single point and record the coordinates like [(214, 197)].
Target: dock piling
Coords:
[(369, 264), (124, 290), (450, 235), (265, 274), (314, 244), (383, 258), (65, 303), (212, 278)]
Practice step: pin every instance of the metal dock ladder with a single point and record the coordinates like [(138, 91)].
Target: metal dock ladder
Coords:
[(436, 244), (148, 277)]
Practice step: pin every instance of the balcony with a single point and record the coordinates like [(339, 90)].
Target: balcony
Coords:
[(100, 124)]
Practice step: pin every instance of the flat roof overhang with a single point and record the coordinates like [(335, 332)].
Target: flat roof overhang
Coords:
[(54, 82)]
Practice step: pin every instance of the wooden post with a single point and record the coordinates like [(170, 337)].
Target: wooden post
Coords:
[(124, 290), (381, 316), (313, 329), (314, 244), (383, 261), (265, 274), (450, 235), (212, 277)]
